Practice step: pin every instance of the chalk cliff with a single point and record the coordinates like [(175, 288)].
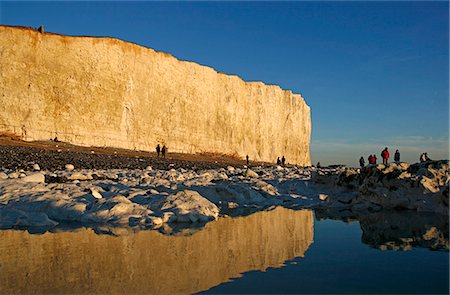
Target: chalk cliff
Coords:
[(106, 92)]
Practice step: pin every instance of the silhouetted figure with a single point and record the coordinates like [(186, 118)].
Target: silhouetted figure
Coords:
[(56, 139), (246, 157), (397, 156), (278, 161), (424, 158), (163, 151), (370, 159), (41, 29), (158, 149), (361, 162), (385, 155), (318, 164), (283, 160), (374, 159)]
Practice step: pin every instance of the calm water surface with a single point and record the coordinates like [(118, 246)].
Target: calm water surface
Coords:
[(278, 251)]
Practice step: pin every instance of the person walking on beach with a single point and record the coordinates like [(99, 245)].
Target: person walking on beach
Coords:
[(246, 157), (397, 156), (283, 160), (158, 149), (361, 162), (385, 155), (163, 151), (278, 161)]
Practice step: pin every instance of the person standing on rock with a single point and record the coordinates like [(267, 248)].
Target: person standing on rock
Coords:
[(163, 151), (158, 149), (283, 160), (397, 156), (374, 159), (385, 155), (424, 158), (361, 162), (278, 161)]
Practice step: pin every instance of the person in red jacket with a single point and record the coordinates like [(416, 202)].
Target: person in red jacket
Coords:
[(385, 155)]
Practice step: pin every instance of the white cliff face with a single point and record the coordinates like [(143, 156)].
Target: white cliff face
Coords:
[(107, 92)]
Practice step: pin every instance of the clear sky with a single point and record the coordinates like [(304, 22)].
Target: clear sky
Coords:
[(375, 74)]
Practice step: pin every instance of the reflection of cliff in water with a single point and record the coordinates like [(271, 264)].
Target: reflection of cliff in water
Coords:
[(149, 262), (398, 230)]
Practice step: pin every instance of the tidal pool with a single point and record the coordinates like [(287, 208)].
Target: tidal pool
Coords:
[(277, 251)]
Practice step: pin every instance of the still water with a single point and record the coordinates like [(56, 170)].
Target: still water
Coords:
[(278, 251)]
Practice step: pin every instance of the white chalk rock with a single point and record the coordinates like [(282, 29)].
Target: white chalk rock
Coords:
[(36, 167), (149, 168), (3, 176), (36, 177), (13, 175), (251, 173), (22, 175), (96, 194), (154, 220), (69, 167), (186, 203), (230, 168), (79, 176), (168, 217)]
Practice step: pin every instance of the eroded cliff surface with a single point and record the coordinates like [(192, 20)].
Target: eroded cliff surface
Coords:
[(107, 92)]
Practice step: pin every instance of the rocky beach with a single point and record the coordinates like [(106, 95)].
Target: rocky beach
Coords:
[(43, 186)]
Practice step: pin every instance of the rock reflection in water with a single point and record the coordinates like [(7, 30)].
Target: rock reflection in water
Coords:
[(398, 230), (148, 261)]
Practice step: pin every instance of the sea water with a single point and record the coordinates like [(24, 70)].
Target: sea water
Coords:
[(276, 251)]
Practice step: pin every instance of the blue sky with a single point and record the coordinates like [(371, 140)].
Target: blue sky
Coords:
[(374, 73)]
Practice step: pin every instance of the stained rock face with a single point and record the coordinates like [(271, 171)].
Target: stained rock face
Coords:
[(106, 92)]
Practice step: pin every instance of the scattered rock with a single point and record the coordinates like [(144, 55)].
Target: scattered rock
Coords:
[(69, 167), (36, 167), (251, 173), (36, 177)]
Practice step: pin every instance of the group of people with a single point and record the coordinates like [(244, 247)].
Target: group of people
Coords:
[(161, 151), (282, 161), (384, 155)]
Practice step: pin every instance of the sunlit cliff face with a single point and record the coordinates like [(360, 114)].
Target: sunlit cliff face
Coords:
[(107, 92), (148, 261)]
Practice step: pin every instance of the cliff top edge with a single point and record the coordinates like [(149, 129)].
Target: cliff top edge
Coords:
[(114, 39)]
